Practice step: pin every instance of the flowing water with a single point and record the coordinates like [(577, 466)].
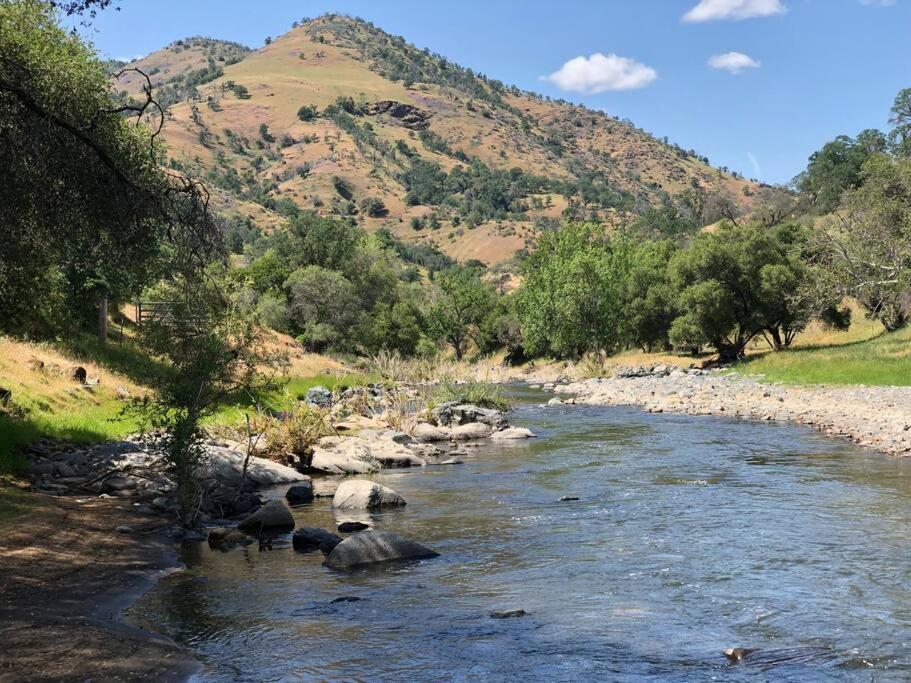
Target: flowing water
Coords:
[(691, 535)]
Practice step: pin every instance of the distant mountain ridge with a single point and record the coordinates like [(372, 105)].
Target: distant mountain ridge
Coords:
[(342, 118)]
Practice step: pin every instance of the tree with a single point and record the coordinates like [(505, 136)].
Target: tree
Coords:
[(651, 303), (324, 306), (864, 249), (373, 207), (462, 302), (307, 112), (571, 300), (732, 285), (86, 211), (835, 169), (900, 118)]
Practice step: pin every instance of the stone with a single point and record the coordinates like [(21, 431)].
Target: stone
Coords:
[(273, 515), (512, 434), (78, 374), (391, 454), (374, 547), (346, 598), (555, 402), (343, 455), (453, 461), (123, 529), (119, 483), (738, 654), (508, 614), (298, 494), (566, 499), (471, 431), (352, 527), (428, 432), (308, 538), (227, 538), (454, 413), (123, 393), (319, 397), (227, 465), (361, 494)]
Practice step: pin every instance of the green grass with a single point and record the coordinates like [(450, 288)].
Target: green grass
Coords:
[(882, 361)]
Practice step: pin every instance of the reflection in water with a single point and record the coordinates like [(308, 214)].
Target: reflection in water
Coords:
[(690, 536)]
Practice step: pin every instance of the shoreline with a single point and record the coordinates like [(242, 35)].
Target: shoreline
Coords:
[(873, 417), (66, 577)]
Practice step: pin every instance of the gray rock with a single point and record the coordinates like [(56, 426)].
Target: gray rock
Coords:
[(227, 538), (454, 413), (312, 538), (471, 431), (508, 614), (319, 397), (512, 434), (228, 465), (123, 529), (343, 455), (299, 494), (273, 515), (428, 432), (373, 547), (352, 527), (453, 461), (361, 494), (119, 483), (555, 402)]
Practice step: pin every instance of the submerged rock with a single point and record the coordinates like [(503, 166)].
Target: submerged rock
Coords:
[(508, 614), (361, 494), (512, 434), (374, 547), (227, 538), (273, 515), (312, 538), (300, 493), (352, 527), (738, 654)]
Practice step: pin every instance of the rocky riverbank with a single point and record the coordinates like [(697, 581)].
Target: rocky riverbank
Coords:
[(875, 417)]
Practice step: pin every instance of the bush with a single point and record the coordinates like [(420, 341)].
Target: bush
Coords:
[(481, 394), (307, 113)]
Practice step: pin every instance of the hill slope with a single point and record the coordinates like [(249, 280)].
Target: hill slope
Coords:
[(438, 145)]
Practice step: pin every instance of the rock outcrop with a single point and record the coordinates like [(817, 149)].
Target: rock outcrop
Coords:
[(273, 515)]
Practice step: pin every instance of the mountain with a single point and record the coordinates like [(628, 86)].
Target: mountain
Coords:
[(341, 117)]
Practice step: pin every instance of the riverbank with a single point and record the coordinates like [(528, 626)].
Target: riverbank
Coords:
[(66, 575), (874, 417)]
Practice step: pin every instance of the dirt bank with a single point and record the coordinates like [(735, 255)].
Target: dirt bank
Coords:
[(875, 417), (65, 576)]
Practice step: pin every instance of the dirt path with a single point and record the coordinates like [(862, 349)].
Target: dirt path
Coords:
[(65, 576)]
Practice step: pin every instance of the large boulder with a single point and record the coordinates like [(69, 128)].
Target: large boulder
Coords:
[(343, 455), (428, 432), (372, 547), (312, 538), (318, 397), (471, 431), (228, 465), (512, 433), (298, 494), (273, 515), (361, 494), (392, 454), (453, 413)]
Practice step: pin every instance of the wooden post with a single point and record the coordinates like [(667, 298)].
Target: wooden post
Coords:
[(103, 319)]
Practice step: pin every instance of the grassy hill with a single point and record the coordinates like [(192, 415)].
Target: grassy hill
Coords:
[(435, 143)]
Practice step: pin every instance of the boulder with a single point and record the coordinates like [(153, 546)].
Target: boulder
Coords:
[(78, 374), (508, 614), (319, 397), (273, 515), (471, 431), (228, 465), (391, 454), (299, 494), (428, 432), (555, 402), (119, 483), (343, 455), (361, 494), (373, 547), (455, 413), (352, 527), (512, 433), (308, 538)]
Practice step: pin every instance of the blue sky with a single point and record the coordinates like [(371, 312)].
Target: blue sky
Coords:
[(825, 67)]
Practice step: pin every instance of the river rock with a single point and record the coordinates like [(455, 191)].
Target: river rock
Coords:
[(352, 527), (227, 538), (428, 432), (453, 413), (273, 515), (391, 454), (373, 547), (343, 455), (119, 483), (508, 614), (227, 465), (361, 494), (512, 433), (471, 431), (319, 397), (299, 494), (311, 538)]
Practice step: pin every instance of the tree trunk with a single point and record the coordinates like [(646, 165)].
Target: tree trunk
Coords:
[(103, 319), (775, 334)]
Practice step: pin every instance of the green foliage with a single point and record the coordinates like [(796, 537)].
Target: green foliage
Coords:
[(373, 207), (308, 112), (481, 394), (572, 298), (837, 168), (462, 303), (650, 299)]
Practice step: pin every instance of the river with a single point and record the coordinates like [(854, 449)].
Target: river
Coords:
[(690, 536)]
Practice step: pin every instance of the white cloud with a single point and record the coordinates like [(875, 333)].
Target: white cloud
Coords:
[(734, 62), (712, 10), (600, 73)]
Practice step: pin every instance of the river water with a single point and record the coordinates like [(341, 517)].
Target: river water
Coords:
[(691, 535)]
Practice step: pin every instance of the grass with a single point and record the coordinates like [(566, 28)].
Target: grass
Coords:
[(884, 360), (482, 394)]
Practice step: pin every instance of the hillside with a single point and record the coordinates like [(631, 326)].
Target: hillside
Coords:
[(455, 158)]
